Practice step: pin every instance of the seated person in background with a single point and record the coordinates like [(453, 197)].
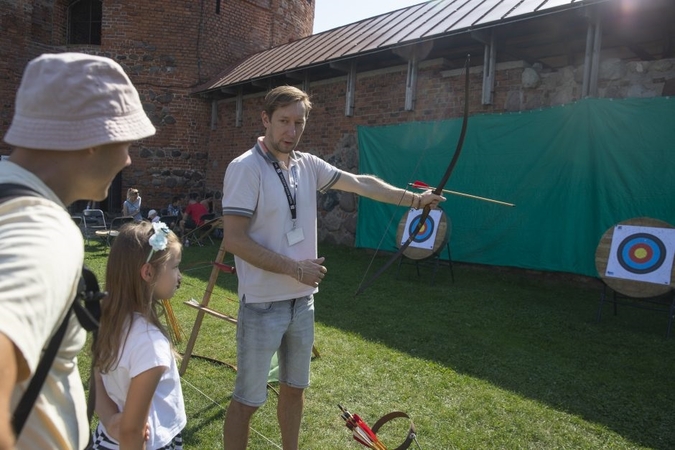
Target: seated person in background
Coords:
[(132, 205), (192, 217), (153, 216), (174, 207), (208, 202)]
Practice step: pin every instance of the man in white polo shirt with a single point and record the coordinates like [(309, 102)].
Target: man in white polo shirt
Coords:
[(269, 214), (75, 117)]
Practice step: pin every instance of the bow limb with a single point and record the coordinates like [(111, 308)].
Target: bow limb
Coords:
[(438, 190)]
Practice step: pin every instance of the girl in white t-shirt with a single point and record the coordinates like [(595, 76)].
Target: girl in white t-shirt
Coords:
[(133, 356)]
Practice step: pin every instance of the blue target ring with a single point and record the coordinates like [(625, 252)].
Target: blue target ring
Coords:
[(641, 253), (425, 232)]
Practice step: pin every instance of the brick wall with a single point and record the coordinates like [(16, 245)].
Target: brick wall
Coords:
[(166, 48), (380, 100), (169, 48), (14, 23)]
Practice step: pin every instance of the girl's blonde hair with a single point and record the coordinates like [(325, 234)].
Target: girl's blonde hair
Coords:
[(128, 293)]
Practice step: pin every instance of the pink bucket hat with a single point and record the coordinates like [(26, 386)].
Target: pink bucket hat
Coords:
[(73, 101)]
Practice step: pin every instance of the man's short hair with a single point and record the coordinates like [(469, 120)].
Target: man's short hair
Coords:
[(283, 96)]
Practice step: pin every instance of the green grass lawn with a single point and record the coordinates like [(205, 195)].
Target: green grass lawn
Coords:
[(497, 359)]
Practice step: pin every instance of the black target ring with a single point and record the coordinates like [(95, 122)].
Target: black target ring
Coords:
[(425, 233), (641, 253)]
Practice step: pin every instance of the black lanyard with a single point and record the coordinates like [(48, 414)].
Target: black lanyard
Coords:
[(290, 197)]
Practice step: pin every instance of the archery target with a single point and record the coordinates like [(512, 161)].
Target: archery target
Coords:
[(425, 232), (642, 254), (426, 236)]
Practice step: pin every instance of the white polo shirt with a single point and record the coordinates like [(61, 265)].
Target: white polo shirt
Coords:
[(252, 188)]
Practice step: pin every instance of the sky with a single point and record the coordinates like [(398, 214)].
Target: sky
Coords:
[(329, 14)]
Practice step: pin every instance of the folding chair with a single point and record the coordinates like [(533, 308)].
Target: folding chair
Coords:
[(108, 235), (209, 223), (93, 221), (79, 221)]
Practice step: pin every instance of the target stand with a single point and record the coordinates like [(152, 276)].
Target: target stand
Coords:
[(635, 255), (433, 238)]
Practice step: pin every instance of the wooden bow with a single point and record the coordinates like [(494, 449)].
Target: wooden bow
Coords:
[(438, 190)]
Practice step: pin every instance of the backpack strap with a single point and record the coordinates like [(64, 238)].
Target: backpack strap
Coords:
[(23, 409), (29, 397), (11, 190), (85, 305), (87, 308), (87, 302)]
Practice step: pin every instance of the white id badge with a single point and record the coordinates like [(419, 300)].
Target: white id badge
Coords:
[(294, 236)]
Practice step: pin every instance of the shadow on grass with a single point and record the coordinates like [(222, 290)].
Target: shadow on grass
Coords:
[(207, 416), (532, 335)]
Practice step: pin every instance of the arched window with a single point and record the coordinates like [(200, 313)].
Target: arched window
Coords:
[(84, 22)]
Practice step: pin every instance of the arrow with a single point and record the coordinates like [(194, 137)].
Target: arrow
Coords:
[(437, 191), (424, 186), (361, 432)]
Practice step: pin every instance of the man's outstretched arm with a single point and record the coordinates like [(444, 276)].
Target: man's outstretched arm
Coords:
[(381, 191)]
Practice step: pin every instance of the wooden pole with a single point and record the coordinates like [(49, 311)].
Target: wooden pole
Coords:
[(200, 314)]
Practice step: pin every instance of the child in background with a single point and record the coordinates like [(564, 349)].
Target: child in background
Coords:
[(153, 216), (133, 357), (174, 208)]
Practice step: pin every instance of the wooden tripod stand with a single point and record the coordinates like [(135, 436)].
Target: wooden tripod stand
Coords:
[(203, 307)]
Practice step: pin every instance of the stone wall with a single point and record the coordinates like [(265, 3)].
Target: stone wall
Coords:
[(617, 79)]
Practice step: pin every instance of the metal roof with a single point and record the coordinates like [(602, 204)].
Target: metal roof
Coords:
[(426, 21)]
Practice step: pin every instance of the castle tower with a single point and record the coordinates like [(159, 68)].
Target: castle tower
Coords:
[(166, 48)]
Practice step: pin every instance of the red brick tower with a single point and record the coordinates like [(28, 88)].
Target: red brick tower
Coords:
[(166, 48)]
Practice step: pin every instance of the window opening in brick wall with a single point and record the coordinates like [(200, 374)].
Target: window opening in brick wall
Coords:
[(217, 6), (84, 22)]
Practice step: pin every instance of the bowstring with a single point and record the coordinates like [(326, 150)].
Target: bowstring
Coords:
[(439, 187), (271, 442), (391, 218)]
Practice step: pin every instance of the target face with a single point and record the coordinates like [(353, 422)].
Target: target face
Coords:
[(426, 231), (641, 253)]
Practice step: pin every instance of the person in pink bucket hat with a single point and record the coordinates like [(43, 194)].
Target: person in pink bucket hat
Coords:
[(75, 117)]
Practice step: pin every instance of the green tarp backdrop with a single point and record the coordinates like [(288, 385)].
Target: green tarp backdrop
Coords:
[(573, 171)]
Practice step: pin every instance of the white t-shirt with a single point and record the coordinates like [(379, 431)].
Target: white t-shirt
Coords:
[(41, 255), (252, 188), (145, 348)]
